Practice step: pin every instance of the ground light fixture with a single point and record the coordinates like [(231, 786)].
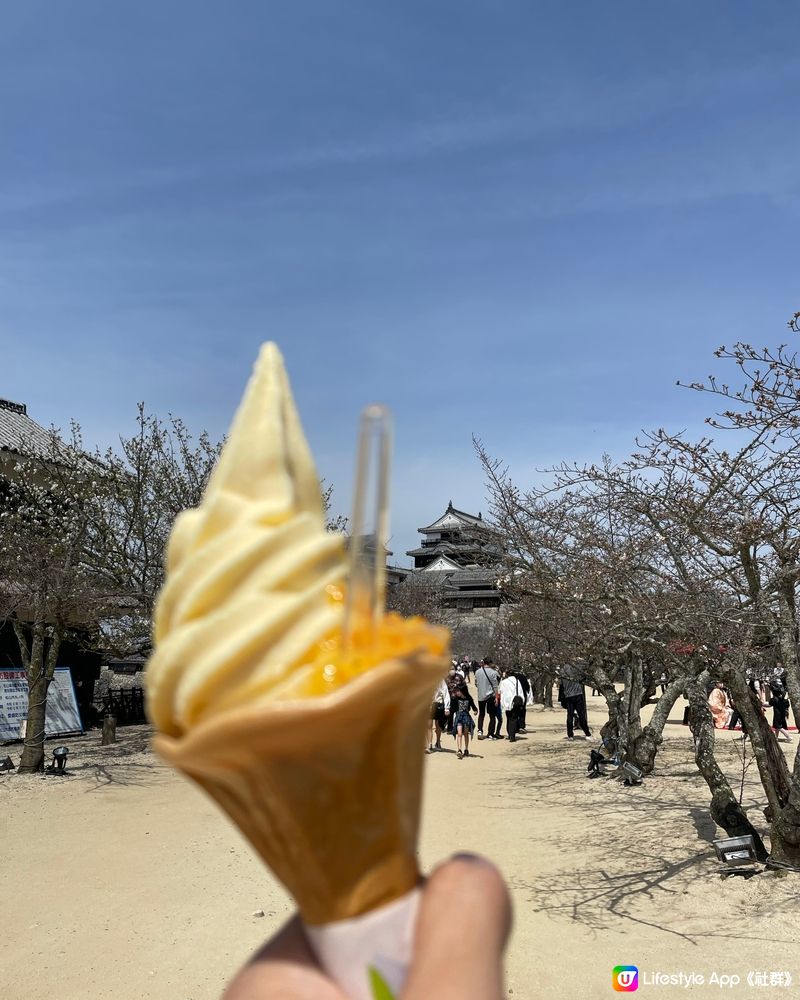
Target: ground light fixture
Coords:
[(738, 854), (60, 755), (633, 773)]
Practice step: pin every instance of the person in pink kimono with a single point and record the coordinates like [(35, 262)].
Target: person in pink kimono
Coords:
[(720, 706)]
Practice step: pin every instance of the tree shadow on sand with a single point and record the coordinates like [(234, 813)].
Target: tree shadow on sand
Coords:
[(128, 762), (630, 854)]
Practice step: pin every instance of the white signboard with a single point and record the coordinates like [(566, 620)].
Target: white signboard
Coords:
[(62, 706)]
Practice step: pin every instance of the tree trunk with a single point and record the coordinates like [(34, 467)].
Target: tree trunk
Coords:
[(33, 750), (771, 763), (785, 831), (644, 748), (542, 689), (601, 678), (726, 811), (787, 629), (39, 669), (649, 685), (782, 787), (627, 707)]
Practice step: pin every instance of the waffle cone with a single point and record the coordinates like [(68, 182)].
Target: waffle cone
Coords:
[(326, 789)]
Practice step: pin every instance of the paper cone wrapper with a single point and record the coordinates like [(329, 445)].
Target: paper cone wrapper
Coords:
[(326, 789)]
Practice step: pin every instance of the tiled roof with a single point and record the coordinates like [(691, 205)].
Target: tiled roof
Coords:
[(433, 550), (453, 592), (467, 521), (20, 434), (475, 575), (473, 518)]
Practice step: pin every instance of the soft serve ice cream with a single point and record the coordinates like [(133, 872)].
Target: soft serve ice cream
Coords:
[(309, 740), (252, 607)]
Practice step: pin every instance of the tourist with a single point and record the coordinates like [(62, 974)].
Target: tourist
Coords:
[(440, 712), (465, 666), (527, 700), (487, 682), (720, 706), (511, 700), (461, 706), (735, 720), (757, 687), (572, 697), (454, 681), (780, 712)]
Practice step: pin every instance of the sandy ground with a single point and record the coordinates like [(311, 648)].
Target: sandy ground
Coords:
[(123, 881)]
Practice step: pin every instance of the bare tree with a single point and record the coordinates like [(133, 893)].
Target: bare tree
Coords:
[(83, 540), (607, 589), (148, 480), (48, 502), (684, 558), (421, 594)]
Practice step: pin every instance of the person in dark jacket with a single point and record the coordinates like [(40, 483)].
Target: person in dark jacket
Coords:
[(780, 712), (461, 704), (525, 684), (571, 695)]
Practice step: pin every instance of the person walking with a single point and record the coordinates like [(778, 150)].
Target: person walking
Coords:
[(454, 681), (487, 682), (572, 697), (511, 699), (440, 713), (780, 712), (526, 700), (462, 704)]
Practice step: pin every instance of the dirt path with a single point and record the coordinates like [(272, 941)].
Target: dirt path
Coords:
[(124, 882)]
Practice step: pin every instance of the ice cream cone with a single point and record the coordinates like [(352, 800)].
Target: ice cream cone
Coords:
[(326, 789)]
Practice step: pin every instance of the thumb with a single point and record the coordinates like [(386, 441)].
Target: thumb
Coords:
[(462, 928)]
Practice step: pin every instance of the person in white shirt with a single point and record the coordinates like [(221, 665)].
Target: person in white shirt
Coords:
[(440, 710), (512, 697)]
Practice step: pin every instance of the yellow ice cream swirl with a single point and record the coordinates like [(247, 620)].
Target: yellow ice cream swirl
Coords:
[(253, 581), (253, 604)]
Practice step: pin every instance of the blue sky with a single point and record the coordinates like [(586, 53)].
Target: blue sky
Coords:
[(520, 220)]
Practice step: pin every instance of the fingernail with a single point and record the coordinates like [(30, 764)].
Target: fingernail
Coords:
[(473, 859)]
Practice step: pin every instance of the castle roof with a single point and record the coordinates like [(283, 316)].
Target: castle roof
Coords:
[(440, 563), (443, 548), (455, 518)]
